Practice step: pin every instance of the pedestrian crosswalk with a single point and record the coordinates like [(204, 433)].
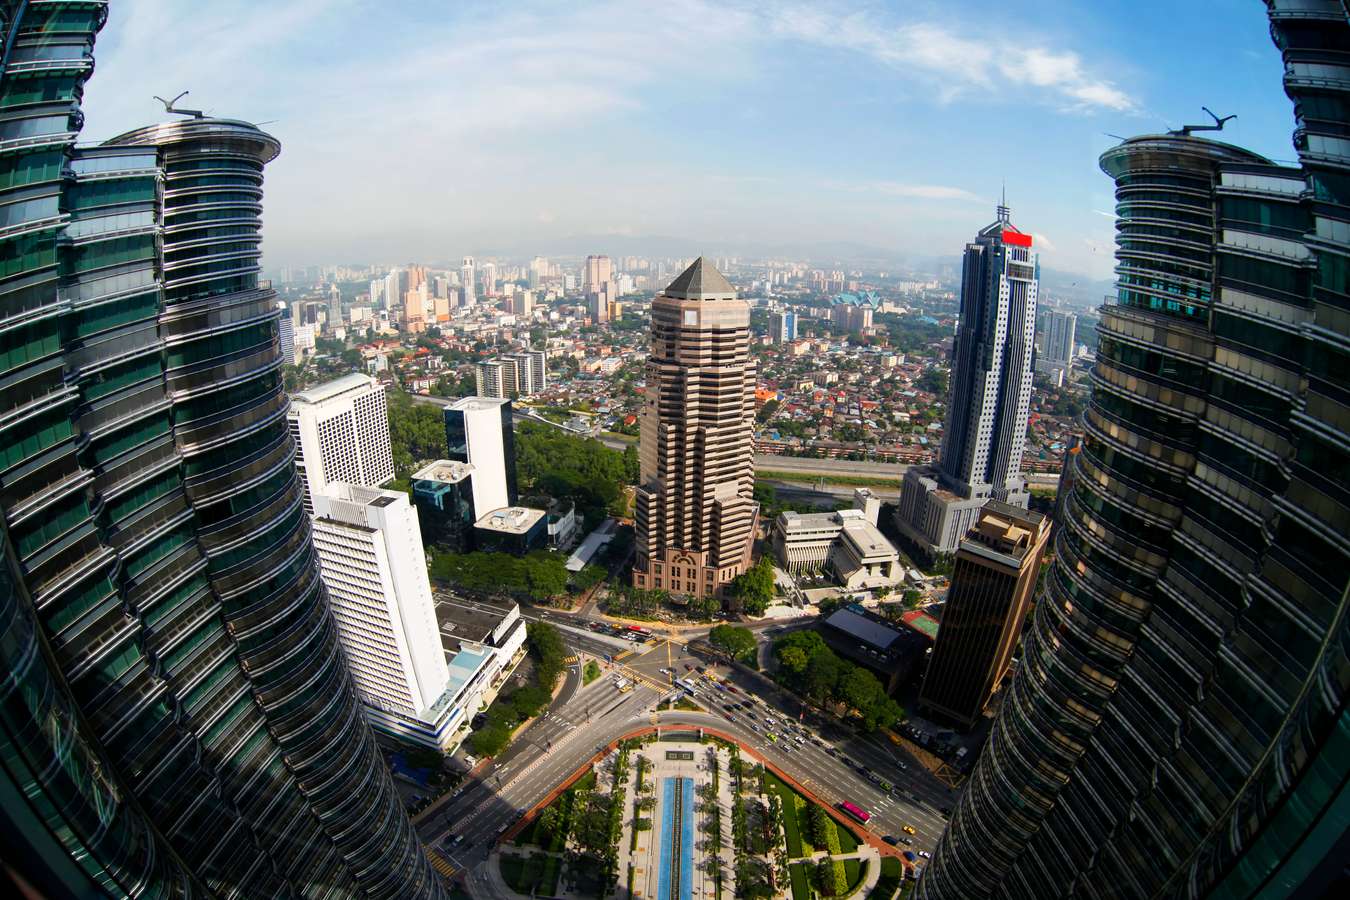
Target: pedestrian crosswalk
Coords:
[(571, 659), (441, 864)]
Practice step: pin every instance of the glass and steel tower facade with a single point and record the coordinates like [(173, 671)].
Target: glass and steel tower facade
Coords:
[(1179, 728), (178, 719)]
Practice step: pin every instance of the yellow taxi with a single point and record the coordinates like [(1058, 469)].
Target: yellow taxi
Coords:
[(908, 829)]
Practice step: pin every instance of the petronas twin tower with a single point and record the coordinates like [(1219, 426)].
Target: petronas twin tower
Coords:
[(176, 717)]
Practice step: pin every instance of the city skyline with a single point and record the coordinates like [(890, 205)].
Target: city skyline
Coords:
[(900, 167)]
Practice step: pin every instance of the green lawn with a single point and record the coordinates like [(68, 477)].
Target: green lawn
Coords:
[(801, 881), (848, 841), (549, 873), (891, 873), (855, 870), (590, 672)]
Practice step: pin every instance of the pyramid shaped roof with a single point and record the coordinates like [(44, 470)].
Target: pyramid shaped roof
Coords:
[(701, 281)]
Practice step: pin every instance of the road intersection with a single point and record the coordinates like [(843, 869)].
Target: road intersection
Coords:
[(821, 754)]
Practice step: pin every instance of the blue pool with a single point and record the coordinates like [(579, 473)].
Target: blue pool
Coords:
[(676, 880)]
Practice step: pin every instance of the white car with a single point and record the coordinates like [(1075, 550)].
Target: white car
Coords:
[(925, 854)]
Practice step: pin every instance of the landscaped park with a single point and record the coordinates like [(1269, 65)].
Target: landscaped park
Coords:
[(685, 817)]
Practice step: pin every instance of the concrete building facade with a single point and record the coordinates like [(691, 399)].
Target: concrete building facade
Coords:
[(695, 517), (341, 433), (991, 590), (372, 563)]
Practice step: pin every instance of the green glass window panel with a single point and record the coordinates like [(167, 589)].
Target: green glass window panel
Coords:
[(212, 197), (88, 194), (1333, 272), (118, 251), (113, 315), (21, 346), (32, 437), (1276, 342), (166, 605), (208, 632), (115, 379), (212, 288), (277, 534), (203, 690), (157, 550), (236, 712), (1271, 276), (118, 664), (27, 253), (78, 18), (218, 267), (210, 404), (219, 512), (49, 89), (30, 168), (232, 452), (195, 165), (1252, 401), (221, 344), (1267, 216), (75, 604), (141, 495), (55, 521), (1331, 187), (215, 249), (131, 436)]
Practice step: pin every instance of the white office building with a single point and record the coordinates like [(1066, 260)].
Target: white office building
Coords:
[(372, 564), (341, 433)]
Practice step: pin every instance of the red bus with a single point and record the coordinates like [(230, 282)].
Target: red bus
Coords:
[(638, 629), (856, 811)]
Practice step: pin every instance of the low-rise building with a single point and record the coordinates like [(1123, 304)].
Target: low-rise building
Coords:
[(845, 544), (888, 652)]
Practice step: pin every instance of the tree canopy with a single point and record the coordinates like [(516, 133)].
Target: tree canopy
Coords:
[(810, 667), (753, 589), (738, 643), (416, 433), (536, 576), (566, 466)]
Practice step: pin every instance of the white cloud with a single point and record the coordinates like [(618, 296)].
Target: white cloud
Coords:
[(952, 57), (920, 191), (1043, 242)]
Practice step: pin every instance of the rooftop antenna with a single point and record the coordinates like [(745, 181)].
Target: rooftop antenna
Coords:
[(168, 107), (1185, 130), (1003, 204)]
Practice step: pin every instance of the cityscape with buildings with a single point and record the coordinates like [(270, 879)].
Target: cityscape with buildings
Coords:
[(613, 568)]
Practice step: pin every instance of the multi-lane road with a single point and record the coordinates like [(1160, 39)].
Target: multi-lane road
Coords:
[(835, 763)]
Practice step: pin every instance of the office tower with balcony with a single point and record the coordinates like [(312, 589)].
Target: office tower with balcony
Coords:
[(341, 433), (993, 578), (1178, 727), (286, 332), (783, 327), (375, 573), (990, 397), (177, 717), (695, 516)]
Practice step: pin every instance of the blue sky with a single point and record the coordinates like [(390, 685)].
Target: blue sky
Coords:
[(428, 130)]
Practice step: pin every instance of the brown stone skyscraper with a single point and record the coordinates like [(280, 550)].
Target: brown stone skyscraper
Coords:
[(695, 516), (992, 582)]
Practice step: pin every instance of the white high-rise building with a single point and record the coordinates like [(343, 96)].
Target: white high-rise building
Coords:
[(341, 432), (372, 564), (1057, 332), (286, 334), (990, 397), (393, 287), (466, 278), (487, 276)]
